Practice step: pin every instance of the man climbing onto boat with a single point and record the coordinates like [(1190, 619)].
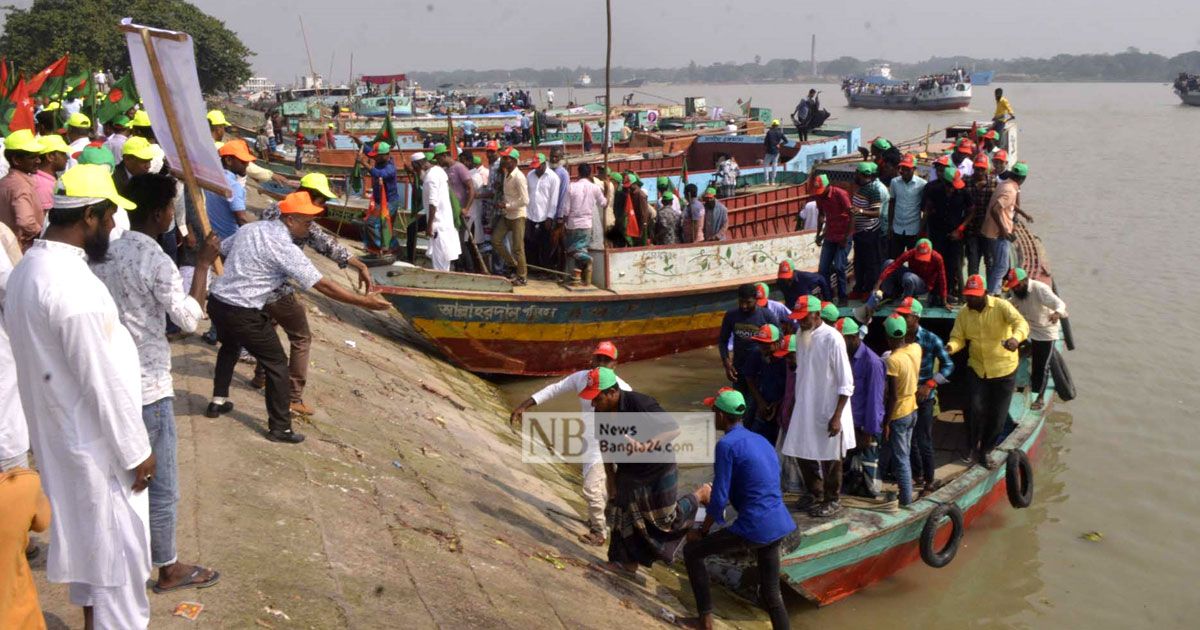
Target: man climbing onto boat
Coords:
[(793, 283), (903, 364), (1044, 311), (821, 430), (803, 114), (746, 476), (595, 483), (915, 272), (994, 330), (932, 349)]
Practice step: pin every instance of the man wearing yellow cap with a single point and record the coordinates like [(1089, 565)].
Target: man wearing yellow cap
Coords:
[(259, 258), (79, 131), (85, 423), (285, 308), (53, 163), (20, 209)]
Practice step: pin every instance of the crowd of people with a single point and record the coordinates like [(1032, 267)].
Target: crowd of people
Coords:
[(1185, 83), (923, 83)]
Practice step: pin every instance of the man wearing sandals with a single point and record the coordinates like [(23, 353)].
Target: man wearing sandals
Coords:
[(595, 484)]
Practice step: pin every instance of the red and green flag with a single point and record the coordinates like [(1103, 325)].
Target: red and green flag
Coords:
[(537, 129), (22, 103), (386, 133), (37, 83), (121, 97), (683, 175)]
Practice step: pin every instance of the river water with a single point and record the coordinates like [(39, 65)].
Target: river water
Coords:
[(1111, 169)]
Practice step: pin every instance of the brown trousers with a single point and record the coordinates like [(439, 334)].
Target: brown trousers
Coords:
[(823, 479), (288, 313)]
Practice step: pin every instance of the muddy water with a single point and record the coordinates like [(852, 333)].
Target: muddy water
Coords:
[(1112, 186)]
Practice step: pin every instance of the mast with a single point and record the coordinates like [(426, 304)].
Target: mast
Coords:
[(607, 79), (312, 70)]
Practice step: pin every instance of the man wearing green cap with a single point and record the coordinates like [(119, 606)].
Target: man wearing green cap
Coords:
[(867, 208), (385, 195), (887, 157), (512, 203), (633, 213), (445, 245), (462, 196), (998, 224), (668, 220), (866, 405), (20, 209), (716, 217), (903, 365), (745, 475), (1044, 311), (932, 349), (947, 207)]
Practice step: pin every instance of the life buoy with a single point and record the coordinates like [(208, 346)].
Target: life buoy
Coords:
[(1063, 385), (938, 558), (1018, 479)]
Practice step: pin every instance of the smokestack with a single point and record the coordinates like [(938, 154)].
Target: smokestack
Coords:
[(813, 57)]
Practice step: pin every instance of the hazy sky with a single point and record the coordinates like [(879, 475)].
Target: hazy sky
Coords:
[(403, 35)]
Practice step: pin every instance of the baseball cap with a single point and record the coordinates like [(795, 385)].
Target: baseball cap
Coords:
[(662, 181), (820, 184), (318, 182), (97, 155), (299, 202), (786, 270), (866, 168), (92, 181), (537, 160), (667, 195), (491, 145), (710, 193), (829, 312), (881, 143), (331, 126), (216, 118), (1014, 277), (139, 148), (909, 306), (233, 148), (982, 161), (975, 286), (804, 305), (847, 326), (768, 333), (616, 177), (514, 154), (79, 119), (774, 122), (1020, 169), (53, 143), (598, 380), (630, 176), (1001, 155), (121, 121), (924, 250), (140, 119), (895, 326), (22, 140), (953, 177), (606, 349), (965, 145), (908, 160), (382, 148), (761, 293), (788, 345), (727, 399), (476, 160), (942, 161), (438, 148)]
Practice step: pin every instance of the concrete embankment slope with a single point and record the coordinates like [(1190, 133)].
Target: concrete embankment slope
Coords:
[(407, 507)]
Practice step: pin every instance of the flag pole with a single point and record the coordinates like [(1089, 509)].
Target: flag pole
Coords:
[(607, 81), (189, 177)]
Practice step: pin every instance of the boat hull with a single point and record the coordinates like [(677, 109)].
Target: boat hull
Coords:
[(871, 101), (1189, 98)]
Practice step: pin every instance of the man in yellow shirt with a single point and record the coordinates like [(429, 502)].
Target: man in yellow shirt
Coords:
[(995, 329), (903, 366), (1004, 112)]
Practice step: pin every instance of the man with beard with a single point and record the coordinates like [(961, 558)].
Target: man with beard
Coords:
[(821, 428), (1043, 310), (79, 378), (716, 217)]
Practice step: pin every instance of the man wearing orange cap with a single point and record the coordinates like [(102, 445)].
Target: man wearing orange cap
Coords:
[(793, 283), (227, 214), (259, 258), (833, 232), (963, 156), (947, 204), (999, 163), (911, 274), (994, 330), (904, 218), (737, 327), (764, 374), (595, 487)]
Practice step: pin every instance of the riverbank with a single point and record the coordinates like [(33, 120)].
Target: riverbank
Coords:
[(407, 507)]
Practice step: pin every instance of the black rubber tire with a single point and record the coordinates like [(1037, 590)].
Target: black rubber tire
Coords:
[(1063, 385), (1018, 479), (940, 558)]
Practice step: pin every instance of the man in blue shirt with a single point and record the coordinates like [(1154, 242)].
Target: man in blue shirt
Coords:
[(794, 283), (737, 327), (383, 184), (745, 475), (772, 142), (904, 218), (225, 215), (866, 404), (932, 347), (765, 378)]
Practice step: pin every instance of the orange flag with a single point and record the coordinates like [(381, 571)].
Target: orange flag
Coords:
[(23, 108), (56, 69)]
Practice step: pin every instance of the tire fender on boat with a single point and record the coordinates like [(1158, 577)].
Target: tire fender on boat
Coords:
[(1063, 385), (938, 558), (1018, 479)]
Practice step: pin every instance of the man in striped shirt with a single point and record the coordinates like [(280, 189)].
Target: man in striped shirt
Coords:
[(866, 207)]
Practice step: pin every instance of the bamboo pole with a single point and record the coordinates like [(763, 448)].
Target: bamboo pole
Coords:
[(185, 164), (607, 80)]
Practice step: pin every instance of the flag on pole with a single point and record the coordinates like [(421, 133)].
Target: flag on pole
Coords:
[(3, 77), (122, 96), (386, 133), (537, 129), (23, 113), (451, 143), (56, 69)]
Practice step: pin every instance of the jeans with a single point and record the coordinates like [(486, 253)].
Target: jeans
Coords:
[(299, 160), (896, 451), (767, 560), (951, 251), (288, 313), (159, 417), (999, 263), (250, 328), (922, 441), (515, 258), (988, 404), (866, 259), (372, 233), (771, 166), (1039, 364), (868, 455), (835, 257), (903, 283)]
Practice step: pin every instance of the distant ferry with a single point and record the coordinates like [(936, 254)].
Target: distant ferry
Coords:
[(1187, 87), (584, 80), (879, 90)]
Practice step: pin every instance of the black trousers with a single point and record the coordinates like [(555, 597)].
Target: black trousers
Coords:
[(725, 541), (952, 252), (1040, 362), (415, 226), (823, 479), (989, 399), (250, 328), (899, 243)]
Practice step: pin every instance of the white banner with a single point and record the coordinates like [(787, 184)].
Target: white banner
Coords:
[(177, 61)]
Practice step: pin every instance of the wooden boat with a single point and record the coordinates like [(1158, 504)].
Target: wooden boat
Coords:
[(1189, 98)]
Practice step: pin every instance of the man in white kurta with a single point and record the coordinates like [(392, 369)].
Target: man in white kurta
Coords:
[(595, 487), (821, 429), (444, 245), (14, 436), (80, 384)]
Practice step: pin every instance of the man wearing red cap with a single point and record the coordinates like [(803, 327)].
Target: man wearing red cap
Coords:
[(947, 204), (904, 216), (793, 283), (764, 374), (259, 258), (916, 271), (963, 157), (821, 429), (595, 488), (833, 232), (994, 329)]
